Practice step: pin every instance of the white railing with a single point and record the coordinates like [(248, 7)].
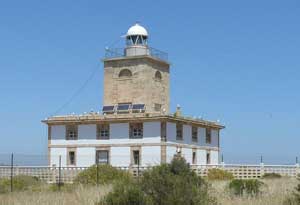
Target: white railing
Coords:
[(68, 174)]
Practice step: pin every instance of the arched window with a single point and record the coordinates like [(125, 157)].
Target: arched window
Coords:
[(158, 75), (125, 73)]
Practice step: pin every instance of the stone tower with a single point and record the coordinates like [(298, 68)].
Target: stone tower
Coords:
[(137, 74)]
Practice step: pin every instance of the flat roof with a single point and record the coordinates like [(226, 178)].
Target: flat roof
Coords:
[(93, 117)]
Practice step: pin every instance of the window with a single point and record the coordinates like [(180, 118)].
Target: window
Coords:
[(207, 158), (71, 158), (158, 75), (71, 132), (157, 107), (136, 157), (163, 131), (194, 158), (208, 136), (125, 73), (179, 131), (136, 130), (103, 131), (102, 157), (194, 134)]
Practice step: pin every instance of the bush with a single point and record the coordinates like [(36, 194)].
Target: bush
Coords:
[(219, 174), (250, 187), (20, 183), (271, 176), (167, 184), (106, 174)]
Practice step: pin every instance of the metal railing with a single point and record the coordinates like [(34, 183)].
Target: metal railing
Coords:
[(120, 52)]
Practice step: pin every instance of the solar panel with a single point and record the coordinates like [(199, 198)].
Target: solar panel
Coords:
[(123, 107), (138, 106), (109, 108)]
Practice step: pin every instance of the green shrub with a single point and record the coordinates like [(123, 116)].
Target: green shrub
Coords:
[(271, 176), (219, 174), (249, 187), (125, 193), (167, 184), (106, 174), (20, 183)]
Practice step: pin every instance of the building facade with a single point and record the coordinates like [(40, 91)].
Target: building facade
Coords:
[(135, 126)]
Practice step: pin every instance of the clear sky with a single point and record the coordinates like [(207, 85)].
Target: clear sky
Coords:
[(237, 61)]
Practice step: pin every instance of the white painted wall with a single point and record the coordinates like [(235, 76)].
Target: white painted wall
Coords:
[(150, 155), (171, 132), (214, 138), (87, 131), (120, 156), (54, 156), (170, 151), (86, 156), (151, 132), (201, 156), (187, 134), (119, 131), (187, 153), (201, 136), (214, 157), (58, 132)]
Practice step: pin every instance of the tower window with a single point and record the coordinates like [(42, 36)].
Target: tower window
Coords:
[(136, 130), (125, 73), (179, 131), (157, 107), (103, 131), (194, 134), (208, 136), (71, 132), (158, 75), (71, 158)]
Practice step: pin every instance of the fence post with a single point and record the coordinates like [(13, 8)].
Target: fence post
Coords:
[(59, 173), (97, 173), (11, 172)]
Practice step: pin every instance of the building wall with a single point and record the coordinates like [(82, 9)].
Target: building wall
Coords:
[(86, 156), (214, 157), (134, 89), (171, 151), (55, 153), (201, 156), (151, 155), (87, 131), (120, 156), (187, 153)]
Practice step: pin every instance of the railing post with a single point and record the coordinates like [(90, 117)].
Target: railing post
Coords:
[(262, 170), (11, 172)]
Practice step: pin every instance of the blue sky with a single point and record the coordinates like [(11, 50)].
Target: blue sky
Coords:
[(237, 61)]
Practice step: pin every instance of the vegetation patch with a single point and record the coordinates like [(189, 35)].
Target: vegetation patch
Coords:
[(20, 183), (295, 198), (271, 176), (219, 174), (167, 184), (249, 187), (105, 174)]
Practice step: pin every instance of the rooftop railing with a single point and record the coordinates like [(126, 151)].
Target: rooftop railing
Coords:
[(120, 52)]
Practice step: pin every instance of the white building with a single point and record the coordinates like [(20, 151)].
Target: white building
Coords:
[(135, 126)]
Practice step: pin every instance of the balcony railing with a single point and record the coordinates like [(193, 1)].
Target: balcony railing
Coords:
[(120, 52)]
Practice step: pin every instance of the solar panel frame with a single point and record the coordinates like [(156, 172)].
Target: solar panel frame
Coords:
[(123, 107), (138, 106), (108, 108)]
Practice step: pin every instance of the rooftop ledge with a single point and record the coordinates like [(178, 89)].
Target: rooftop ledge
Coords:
[(93, 117)]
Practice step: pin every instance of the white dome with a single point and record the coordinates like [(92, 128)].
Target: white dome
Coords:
[(137, 30)]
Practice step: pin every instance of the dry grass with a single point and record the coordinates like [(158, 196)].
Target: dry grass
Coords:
[(275, 192), (81, 195)]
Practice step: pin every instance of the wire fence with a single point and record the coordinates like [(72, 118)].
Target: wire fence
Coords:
[(12, 165)]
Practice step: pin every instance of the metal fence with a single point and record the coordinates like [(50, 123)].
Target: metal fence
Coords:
[(120, 52)]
